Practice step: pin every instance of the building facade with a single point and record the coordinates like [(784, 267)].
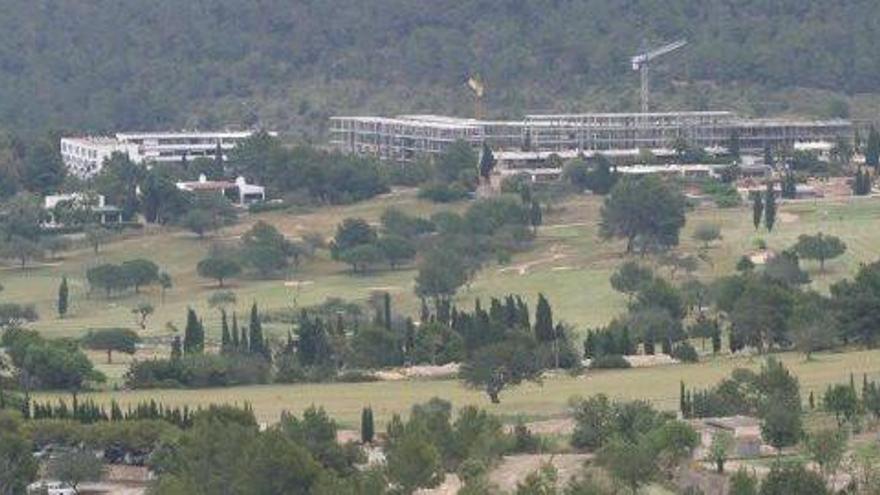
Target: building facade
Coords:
[(406, 137), (84, 156)]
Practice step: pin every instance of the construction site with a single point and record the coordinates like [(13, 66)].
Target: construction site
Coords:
[(405, 138)]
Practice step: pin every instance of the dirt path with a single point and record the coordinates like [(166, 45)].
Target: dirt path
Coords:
[(523, 268), (515, 468)]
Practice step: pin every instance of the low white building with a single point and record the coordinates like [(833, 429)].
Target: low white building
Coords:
[(239, 192), (96, 204), (84, 156)]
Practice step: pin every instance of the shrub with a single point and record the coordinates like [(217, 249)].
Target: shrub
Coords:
[(523, 439), (208, 370), (442, 193), (609, 361), (685, 353), (267, 206), (356, 376)]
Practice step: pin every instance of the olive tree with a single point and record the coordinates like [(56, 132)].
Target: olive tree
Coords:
[(819, 247)]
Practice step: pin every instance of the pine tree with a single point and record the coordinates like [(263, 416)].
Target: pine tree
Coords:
[(256, 332), (387, 311), (757, 209), (367, 425), (62, 297), (770, 207), (194, 334), (236, 342), (226, 339)]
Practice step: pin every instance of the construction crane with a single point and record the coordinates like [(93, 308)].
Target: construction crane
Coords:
[(644, 59)]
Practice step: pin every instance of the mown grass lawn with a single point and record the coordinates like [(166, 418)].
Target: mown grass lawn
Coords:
[(660, 385)]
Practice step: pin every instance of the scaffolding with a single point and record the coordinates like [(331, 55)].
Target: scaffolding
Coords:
[(407, 137)]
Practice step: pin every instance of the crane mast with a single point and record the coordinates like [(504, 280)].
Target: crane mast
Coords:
[(643, 60)]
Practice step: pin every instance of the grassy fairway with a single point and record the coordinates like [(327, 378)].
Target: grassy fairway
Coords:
[(569, 263), (660, 385)]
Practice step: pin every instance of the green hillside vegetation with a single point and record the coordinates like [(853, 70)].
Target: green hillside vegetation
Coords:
[(105, 65)]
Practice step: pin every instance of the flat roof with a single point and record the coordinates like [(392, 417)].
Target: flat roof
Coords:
[(183, 134), (408, 122), (90, 139), (543, 155), (562, 116)]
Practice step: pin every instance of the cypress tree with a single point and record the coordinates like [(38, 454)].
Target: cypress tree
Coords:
[(590, 345), (236, 342), (367, 425), (194, 334), (626, 347), (682, 405), (733, 145), (410, 338), (256, 332), (523, 310), (226, 339), (245, 346), (543, 320), (812, 400), (63, 294), (425, 313), (649, 344), (218, 158), (872, 149), (176, 350), (789, 186), (757, 209), (536, 216), (768, 156), (770, 207), (487, 161), (716, 340), (288, 346), (387, 311)]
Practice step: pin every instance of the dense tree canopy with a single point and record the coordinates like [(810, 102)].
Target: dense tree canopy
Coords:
[(207, 63), (644, 211)]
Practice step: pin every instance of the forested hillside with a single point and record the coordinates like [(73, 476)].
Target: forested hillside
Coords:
[(105, 64)]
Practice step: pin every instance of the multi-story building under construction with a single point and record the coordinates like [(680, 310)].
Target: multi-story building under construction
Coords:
[(406, 137)]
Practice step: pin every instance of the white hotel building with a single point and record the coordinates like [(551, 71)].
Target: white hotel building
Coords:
[(84, 156)]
